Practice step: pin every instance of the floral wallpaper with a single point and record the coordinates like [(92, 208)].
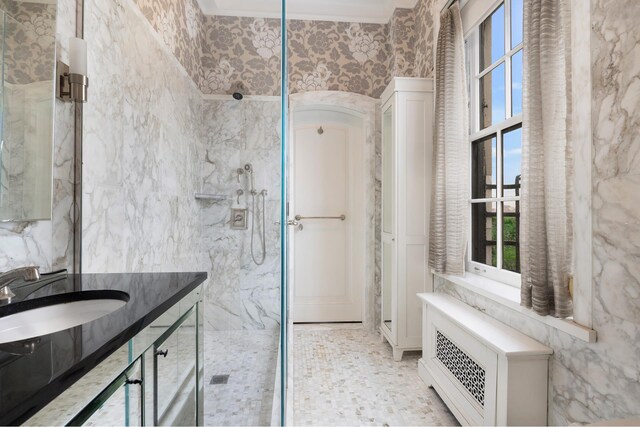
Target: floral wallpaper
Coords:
[(224, 54), (341, 56), (241, 54), (29, 45), (424, 38), (402, 39), (180, 25)]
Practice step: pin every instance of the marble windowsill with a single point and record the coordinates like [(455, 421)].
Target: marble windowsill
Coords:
[(509, 296)]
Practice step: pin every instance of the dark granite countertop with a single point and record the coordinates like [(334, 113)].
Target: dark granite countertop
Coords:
[(52, 363)]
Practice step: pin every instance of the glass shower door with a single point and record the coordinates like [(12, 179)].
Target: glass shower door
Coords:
[(284, 228)]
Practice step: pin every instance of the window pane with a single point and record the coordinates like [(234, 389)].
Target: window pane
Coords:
[(485, 168), (484, 233), (517, 22), (492, 38), (516, 83), (511, 236), (511, 162), (492, 97)]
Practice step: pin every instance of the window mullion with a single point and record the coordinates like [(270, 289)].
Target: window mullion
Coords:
[(507, 61), (499, 203), (476, 89)]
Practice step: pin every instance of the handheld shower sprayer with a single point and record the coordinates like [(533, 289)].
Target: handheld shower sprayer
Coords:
[(249, 169)]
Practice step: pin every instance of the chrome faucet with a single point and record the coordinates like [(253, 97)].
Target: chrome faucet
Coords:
[(27, 274)]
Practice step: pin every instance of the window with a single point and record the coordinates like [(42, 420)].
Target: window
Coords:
[(494, 62)]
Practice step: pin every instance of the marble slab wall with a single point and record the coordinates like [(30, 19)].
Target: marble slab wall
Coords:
[(241, 294), (142, 133), (49, 244), (599, 381)]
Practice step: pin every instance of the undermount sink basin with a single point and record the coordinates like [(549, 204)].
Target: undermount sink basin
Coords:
[(33, 318)]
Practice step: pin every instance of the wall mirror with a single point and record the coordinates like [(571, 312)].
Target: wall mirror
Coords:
[(27, 52)]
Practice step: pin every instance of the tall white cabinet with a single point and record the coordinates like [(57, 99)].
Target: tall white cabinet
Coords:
[(407, 151)]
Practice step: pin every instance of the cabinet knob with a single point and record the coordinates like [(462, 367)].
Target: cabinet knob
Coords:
[(162, 353)]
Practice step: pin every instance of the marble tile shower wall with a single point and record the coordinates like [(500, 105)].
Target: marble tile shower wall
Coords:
[(49, 244), (241, 295), (599, 381), (142, 141)]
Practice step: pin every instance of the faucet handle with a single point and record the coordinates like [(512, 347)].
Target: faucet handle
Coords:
[(32, 273), (6, 294)]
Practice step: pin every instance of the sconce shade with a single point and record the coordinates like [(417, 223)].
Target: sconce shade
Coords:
[(77, 56)]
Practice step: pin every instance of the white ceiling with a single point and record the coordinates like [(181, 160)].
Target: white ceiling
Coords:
[(377, 11)]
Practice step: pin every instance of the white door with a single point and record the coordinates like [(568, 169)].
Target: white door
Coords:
[(328, 251)]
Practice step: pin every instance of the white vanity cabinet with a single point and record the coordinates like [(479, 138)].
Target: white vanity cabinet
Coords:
[(407, 147)]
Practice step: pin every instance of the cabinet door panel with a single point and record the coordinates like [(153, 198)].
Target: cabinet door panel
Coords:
[(175, 374), (388, 172), (121, 403)]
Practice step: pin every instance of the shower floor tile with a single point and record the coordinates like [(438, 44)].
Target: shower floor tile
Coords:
[(347, 376), (247, 359)]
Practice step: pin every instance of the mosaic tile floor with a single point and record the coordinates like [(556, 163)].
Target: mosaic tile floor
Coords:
[(249, 358), (344, 375)]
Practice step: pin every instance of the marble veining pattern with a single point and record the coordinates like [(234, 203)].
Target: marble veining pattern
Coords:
[(241, 295), (344, 375), (141, 144), (599, 381), (49, 244)]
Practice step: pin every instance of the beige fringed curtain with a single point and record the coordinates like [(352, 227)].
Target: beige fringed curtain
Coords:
[(450, 196), (546, 221)]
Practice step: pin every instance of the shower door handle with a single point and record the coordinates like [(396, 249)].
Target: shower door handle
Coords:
[(341, 217), (295, 223)]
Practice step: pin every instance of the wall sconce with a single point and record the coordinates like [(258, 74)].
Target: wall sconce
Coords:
[(72, 79)]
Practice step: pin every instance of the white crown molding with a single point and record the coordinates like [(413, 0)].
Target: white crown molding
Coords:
[(363, 11)]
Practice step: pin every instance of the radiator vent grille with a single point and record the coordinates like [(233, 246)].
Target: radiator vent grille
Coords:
[(466, 370)]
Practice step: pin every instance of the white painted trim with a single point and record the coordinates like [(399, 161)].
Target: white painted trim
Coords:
[(502, 339), (509, 296), (582, 151), (223, 97), (272, 11)]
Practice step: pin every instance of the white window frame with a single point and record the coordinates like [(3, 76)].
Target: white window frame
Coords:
[(474, 13)]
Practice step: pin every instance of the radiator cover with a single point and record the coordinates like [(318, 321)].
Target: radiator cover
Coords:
[(486, 372), (470, 375)]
